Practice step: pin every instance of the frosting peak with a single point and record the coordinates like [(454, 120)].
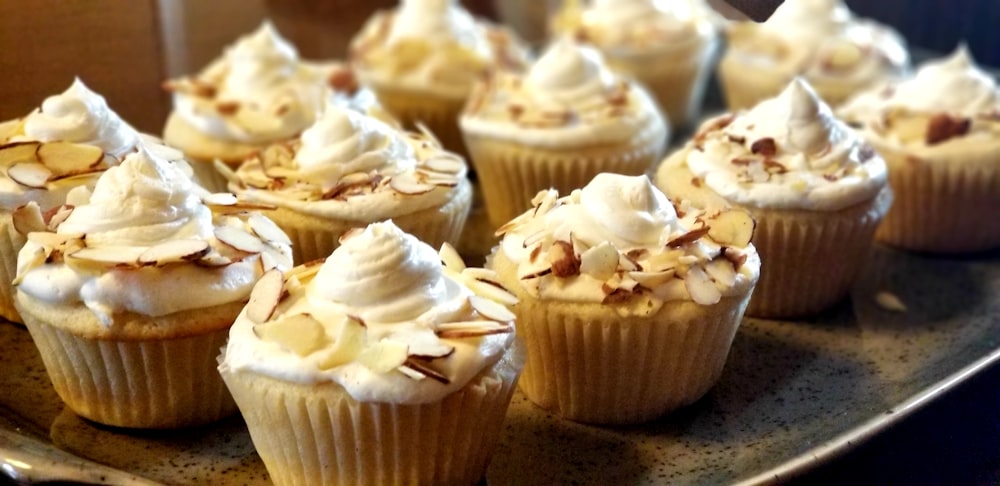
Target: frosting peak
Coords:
[(80, 115), (627, 211), (382, 274), (954, 84), (259, 59), (796, 119), (437, 21), (344, 141)]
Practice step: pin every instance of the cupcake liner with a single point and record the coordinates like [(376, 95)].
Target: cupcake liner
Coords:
[(11, 243), (157, 383), (589, 364), (513, 174), (477, 236), (942, 206), (438, 114), (810, 259), (314, 237), (319, 434)]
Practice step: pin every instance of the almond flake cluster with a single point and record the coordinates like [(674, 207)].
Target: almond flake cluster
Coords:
[(274, 169), (700, 261)]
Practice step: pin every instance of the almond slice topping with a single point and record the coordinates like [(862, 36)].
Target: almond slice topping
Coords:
[(425, 369), (267, 229), (450, 258), (409, 183), (174, 251), (27, 218), (239, 239), (265, 296), (110, 255), (733, 227), (15, 152), (66, 157), (444, 163), (490, 309), (467, 329), (30, 174)]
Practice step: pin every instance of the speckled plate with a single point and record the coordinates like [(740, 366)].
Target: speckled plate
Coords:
[(793, 394)]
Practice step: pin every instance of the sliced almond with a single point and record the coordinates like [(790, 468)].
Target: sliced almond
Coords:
[(444, 163), (174, 251), (265, 296), (299, 333), (16, 152), (55, 216), (426, 369), (27, 260), (222, 199), (239, 239), (50, 240), (733, 227), (109, 255), (347, 344), (600, 261), (701, 288), (690, 236), (29, 174), (213, 259), (722, 271), (467, 329), (271, 257), (67, 157), (409, 183), (450, 258), (890, 301), (267, 229), (652, 279), (305, 270), (565, 262), (491, 309), (28, 218), (384, 356)]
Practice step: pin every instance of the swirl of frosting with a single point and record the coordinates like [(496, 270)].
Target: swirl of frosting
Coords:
[(809, 21), (383, 275), (788, 152), (80, 115), (395, 285), (626, 211), (438, 22), (141, 202), (617, 24), (343, 141), (954, 84), (273, 93), (569, 74)]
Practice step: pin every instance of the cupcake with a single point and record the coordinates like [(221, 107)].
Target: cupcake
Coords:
[(939, 132), (65, 143), (375, 366), (669, 46), (130, 295), (422, 58), (557, 126), (259, 92), (816, 189), (819, 40), (627, 304), (348, 170)]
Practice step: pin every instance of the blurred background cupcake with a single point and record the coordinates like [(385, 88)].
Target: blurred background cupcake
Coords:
[(670, 47), (816, 189), (939, 132), (822, 41), (558, 125), (348, 170), (257, 93)]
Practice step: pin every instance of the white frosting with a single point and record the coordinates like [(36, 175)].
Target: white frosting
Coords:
[(80, 115), (395, 284), (824, 165), (344, 142), (633, 216), (431, 46), (144, 201), (276, 93), (567, 98), (953, 85)]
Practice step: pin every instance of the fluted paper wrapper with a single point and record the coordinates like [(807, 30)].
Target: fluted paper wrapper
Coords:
[(511, 175), (946, 206), (152, 384), (589, 364), (319, 434), (11, 243), (810, 259), (438, 114), (314, 237)]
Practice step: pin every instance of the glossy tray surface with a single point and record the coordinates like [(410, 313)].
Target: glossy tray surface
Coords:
[(792, 395)]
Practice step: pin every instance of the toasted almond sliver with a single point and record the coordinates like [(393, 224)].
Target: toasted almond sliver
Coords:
[(701, 288), (265, 296), (267, 229), (889, 301), (30, 174), (15, 152), (67, 157), (408, 183), (110, 255), (491, 309), (450, 258), (425, 369), (174, 251), (239, 239), (444, 164), (467, 329), (220, 199), (28, 218)]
